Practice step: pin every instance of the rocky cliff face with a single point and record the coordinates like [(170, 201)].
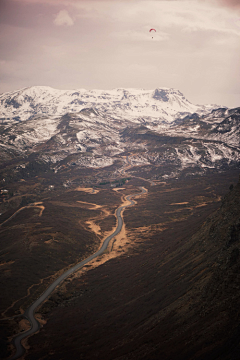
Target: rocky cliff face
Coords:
[(222, 231), (213, 312)]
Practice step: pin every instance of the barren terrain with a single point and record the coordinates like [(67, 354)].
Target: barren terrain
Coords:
[(142, 276), (155, 300), (144, 294)]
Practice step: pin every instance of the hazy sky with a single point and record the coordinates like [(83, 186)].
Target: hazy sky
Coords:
[(70, 44)]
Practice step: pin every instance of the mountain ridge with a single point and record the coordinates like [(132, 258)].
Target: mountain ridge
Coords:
[(162, 103), (98, 128)]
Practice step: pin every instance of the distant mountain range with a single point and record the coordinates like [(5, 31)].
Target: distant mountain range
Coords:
[(160, 127), (162, 103)]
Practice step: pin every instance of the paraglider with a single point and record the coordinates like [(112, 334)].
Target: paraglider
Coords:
[(152, 30)]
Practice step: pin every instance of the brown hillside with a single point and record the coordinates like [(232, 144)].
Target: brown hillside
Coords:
[(175, 297)]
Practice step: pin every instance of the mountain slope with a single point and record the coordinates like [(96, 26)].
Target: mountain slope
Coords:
[(175, 298), (159, 129), (67, 159), (162, 103)]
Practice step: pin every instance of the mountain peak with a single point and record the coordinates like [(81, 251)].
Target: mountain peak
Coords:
[(161, 94)]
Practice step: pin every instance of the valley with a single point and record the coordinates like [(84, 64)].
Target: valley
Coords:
[(167, 285), (155, 230)]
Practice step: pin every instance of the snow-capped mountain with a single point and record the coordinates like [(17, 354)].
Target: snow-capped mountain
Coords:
[(163, 104), (220, 124), (160, 129)]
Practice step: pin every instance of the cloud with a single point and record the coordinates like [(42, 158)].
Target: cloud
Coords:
[(231, 3), (63, 18)]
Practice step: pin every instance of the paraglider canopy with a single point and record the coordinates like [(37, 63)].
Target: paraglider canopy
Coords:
[(152, 30)]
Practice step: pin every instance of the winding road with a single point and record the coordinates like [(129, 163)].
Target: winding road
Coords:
[(29, 313)]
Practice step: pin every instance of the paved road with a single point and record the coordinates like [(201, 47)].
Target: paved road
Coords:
[(29, 313)]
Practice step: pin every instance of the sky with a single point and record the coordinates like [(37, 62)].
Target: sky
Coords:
[(76, 44)]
